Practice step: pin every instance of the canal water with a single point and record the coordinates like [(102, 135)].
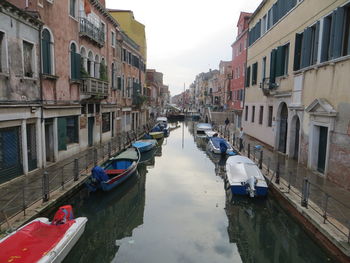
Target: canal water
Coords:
[(176, 209)]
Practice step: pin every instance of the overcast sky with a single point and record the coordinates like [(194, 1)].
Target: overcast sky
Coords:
[(186, 37)]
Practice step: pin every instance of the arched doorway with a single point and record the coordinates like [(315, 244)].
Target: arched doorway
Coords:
[(283, 128)]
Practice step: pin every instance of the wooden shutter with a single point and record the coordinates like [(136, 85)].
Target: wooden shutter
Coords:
[(306, 48), (46, 52), (316, 44), (247, 80), (337, 35), (62, 133), (279, 61), (273, 66), (325, 39), (297, 51), (275, 13)]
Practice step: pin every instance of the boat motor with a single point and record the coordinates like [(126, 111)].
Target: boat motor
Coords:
[(251, 188)]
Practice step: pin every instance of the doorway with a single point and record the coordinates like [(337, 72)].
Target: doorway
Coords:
[(91, 122), (49, 142), (283, 128), (322, 149)]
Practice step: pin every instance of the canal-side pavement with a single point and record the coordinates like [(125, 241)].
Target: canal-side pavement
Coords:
[(333, 234)]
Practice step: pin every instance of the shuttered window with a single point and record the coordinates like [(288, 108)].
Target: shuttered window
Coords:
[(246, 113), (273, 66), (269, 120), (75, 63), (261, 114), (254, 73), (247, 80), (297, 51), (106, 122), (46, 51), (253, 113), (67, 129)]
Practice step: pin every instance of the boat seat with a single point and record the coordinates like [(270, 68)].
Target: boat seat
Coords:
[(115, 171)]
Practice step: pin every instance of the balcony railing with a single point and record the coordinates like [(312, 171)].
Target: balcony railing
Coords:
[(91, 31), (95, 87)]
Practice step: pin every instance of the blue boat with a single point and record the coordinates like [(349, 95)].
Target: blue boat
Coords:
[(162, 123), (244, 177), (115, 171), (220, 146), (145, 145)]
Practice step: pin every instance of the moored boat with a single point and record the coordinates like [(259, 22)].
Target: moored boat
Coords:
[(156, 134), (162, 123), (145, 145), (115, 171), (43, 241), (220, 146), (244, 177), (201, 128)]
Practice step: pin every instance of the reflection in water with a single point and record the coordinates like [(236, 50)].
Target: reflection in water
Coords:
[(184, 215), (112, 216), (263, 233)]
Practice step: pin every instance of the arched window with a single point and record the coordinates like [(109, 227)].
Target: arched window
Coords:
[(46, 50), (74, 62), (90, 64)]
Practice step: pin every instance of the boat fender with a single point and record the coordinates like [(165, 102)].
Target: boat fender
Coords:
[(63, 215)]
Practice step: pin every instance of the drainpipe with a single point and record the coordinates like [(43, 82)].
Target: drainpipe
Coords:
[(43, 154)]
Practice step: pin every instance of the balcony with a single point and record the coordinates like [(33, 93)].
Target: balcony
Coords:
[(268, 88), (92, 32), (94, 87)]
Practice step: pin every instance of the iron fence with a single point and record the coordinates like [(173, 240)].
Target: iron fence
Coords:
[(30, 189), (312, 195)]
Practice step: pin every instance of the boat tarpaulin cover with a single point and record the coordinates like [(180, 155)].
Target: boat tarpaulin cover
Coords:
[(32, 242), (99, 174)]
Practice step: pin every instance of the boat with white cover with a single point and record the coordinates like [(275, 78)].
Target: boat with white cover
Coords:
[(43, 241), (244, 177), (201, 128), (220, 145)]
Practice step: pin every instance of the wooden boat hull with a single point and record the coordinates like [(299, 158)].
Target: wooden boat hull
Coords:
[(107, 186)]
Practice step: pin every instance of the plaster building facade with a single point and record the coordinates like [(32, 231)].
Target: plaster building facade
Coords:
[(239, 60), (20, 92), (296, 96)]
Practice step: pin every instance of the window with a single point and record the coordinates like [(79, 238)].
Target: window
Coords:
[(247, 80), (263, 69), (68, 129), (253, 113), (28, 59), (263, 25), (335, 37), (97, 106), (75, 62), (254, 73), (106, 122), (46, 52), (112, 39), (3, 53), (346, 44), (119, 83), (246, 113), (270, 19), (279, 62), (113, 76), (261, 114), (72, 8), (91, 108), (269, 121)]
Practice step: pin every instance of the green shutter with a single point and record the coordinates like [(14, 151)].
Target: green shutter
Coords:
[(279, 62), (339, 16), (248, 77), (325, 39), (273, 66), (297, 51), (46, 54), (72, 67), (316, 44), (306, 48), (62, 133)]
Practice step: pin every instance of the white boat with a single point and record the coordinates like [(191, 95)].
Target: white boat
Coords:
[(210, 133), (162, 124), (219, 145), (244, 177), (201, 128), (43, 241)]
